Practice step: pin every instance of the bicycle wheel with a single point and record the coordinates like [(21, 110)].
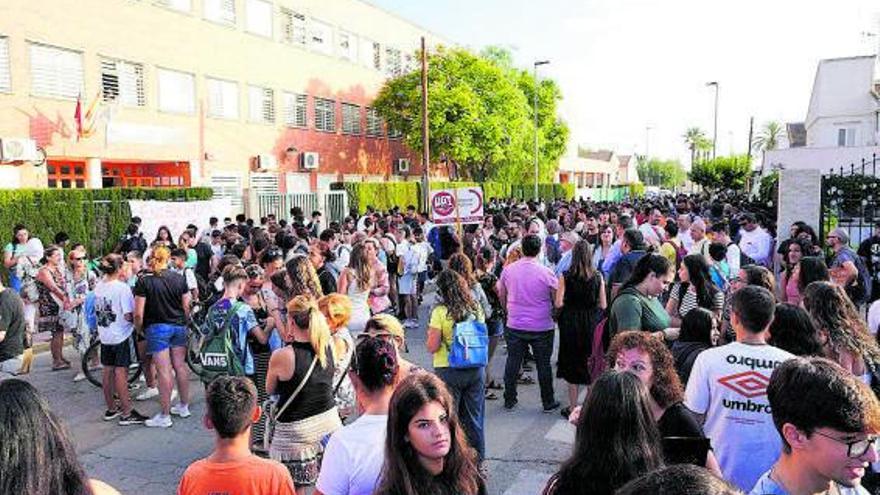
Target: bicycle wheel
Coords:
[(95, 375)]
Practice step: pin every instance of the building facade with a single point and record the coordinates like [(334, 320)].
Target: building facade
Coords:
[(272, 95)]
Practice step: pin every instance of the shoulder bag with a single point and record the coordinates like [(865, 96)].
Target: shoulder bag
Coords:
[(272, 414)]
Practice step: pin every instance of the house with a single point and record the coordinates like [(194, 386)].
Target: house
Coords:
[(601, 168), (843, 119), (628, 170)]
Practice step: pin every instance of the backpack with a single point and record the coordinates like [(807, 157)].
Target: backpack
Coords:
[(134, 243), (392, 261), (680, 253), (204, 288), (218, 353), (470, 344), (860, 291), (552, 250)]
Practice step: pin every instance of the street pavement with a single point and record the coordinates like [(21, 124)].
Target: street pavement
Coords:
[(524, 446)]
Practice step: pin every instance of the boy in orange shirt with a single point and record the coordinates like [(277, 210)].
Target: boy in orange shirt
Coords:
[(232, 469)]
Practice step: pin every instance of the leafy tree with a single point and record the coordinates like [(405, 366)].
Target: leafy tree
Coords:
[(480, 115), (769, 136), (723, 172), (664, 173)]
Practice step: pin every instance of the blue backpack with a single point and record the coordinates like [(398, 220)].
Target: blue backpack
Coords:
[(470, 344)]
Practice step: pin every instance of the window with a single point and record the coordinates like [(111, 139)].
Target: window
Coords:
[(181, 5), (321, 37), (222, 11), (377, 56), (846, 136), (222, 99), (56, 72), (348, 46), (258, 17), (325, 115), (261, 104), (66, 175), (374, 123), (393, 66), (123, 83), (5, 71), (294, 27), (177, 91), (351, 118), (394, 134), (295, 110)]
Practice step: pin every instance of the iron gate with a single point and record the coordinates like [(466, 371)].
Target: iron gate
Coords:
[(849, 201)]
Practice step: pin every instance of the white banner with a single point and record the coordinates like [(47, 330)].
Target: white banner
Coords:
[(176, 215), (462, 205)]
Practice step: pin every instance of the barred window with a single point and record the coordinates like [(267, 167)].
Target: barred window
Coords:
[(293, 27), (374, 123), (351, 118), (123, 83), (377, 56), (393, 62), (261, 104), (295, 110), (325, 115)]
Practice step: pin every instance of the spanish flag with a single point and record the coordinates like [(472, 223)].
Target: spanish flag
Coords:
[(85, 124)]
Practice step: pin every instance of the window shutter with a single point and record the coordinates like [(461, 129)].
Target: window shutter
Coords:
[(374, 123), (228, 186), (261, 104), (294, 27), (222, 99), (5, 71), (264, 183), (295, 110), (258, 17), (122, 82), (56, 72), (351, 118), (176, 91)]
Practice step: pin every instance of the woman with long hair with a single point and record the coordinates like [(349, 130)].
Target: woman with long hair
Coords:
[(425, 447), (694, 289), (650, 360), (311, 414), (462, 265), (355, 281), (788, 281), (486, 261), (337, 310), (636, 306), (467, 385), (699, 331), (302, 277), (811, 269), (842, 331), (580, 300), (54, 297), (793, 330), (37, 456), (617, 439), (164, 238), (603, 246), (350, 462)]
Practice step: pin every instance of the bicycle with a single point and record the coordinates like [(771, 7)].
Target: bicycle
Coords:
[(194, 339)]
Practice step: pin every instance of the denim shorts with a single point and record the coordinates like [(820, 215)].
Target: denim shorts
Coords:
[(161, 336)]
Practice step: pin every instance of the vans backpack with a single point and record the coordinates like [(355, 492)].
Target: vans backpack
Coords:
[(218, 353)]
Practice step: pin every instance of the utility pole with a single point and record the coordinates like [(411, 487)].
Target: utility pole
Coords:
[(715, 131), (535, 75), (648, 154), (426, 150), (751, 135)]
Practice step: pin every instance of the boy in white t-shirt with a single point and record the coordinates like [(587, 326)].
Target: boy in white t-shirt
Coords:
[(728, 387)]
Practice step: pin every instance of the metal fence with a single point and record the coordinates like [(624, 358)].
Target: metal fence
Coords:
[(849, 200), (333, 204)]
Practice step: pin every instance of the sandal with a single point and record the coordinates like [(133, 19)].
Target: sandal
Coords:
[(526, 380), (491, 395), (59, 367), (493, 385)]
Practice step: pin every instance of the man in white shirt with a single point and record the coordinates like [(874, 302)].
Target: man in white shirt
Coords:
[(684, 231), (728, 389), (754, 241), (828, 420), (722, 236), (651, 230)]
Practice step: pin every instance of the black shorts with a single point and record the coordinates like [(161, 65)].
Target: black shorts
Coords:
[(120, 355)]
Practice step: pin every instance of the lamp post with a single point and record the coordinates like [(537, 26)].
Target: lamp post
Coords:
[(535, 74), (715, 131)]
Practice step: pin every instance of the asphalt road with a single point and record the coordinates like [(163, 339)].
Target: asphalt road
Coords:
[(524, 446)]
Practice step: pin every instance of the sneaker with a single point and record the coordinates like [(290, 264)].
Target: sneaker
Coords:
[(181, 409), (110, 415), (510, 404), (148, 393), (134, 418), (159, 421), (551, 407), (79, 377)]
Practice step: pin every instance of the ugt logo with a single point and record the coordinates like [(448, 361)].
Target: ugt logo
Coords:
[(748, 384)]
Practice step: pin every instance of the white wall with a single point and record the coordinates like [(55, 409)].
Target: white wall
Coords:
[(823, 133), (822, 159)]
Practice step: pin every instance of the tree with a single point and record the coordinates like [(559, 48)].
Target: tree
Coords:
[(769, 136), (694, 137), (723, 172), (664, 173), (480, 115)]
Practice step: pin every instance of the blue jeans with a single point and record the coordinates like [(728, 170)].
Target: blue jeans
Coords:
[(518, 341), (468, 388)]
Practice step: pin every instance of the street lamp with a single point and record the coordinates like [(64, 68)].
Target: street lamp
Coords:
[(715, 131), (535, 74)]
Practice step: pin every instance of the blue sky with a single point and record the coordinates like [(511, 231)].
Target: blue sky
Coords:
[(625, 65)]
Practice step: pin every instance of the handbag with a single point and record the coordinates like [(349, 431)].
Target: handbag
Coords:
[(596, 364), (269, 406)]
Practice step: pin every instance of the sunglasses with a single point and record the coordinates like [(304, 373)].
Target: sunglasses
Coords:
[(79, 259)]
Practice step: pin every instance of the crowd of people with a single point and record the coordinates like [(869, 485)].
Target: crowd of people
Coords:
[(716, 355)]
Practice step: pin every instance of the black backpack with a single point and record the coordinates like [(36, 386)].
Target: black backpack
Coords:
[(134, 243)]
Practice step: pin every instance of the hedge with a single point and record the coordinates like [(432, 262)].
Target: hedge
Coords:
[(385, 195), (94, 217)]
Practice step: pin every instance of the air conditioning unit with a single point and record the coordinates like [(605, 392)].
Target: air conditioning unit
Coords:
[(266, 162), (18, 150), (402, 166), (310, 161)]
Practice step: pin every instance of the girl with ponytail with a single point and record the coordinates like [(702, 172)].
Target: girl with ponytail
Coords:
[(301, 374)]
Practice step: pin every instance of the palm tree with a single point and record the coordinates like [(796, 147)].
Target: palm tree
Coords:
[(692, 137), (703, 147), (769, 137)]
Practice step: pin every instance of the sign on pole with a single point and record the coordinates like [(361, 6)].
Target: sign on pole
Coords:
[(461, 205)]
